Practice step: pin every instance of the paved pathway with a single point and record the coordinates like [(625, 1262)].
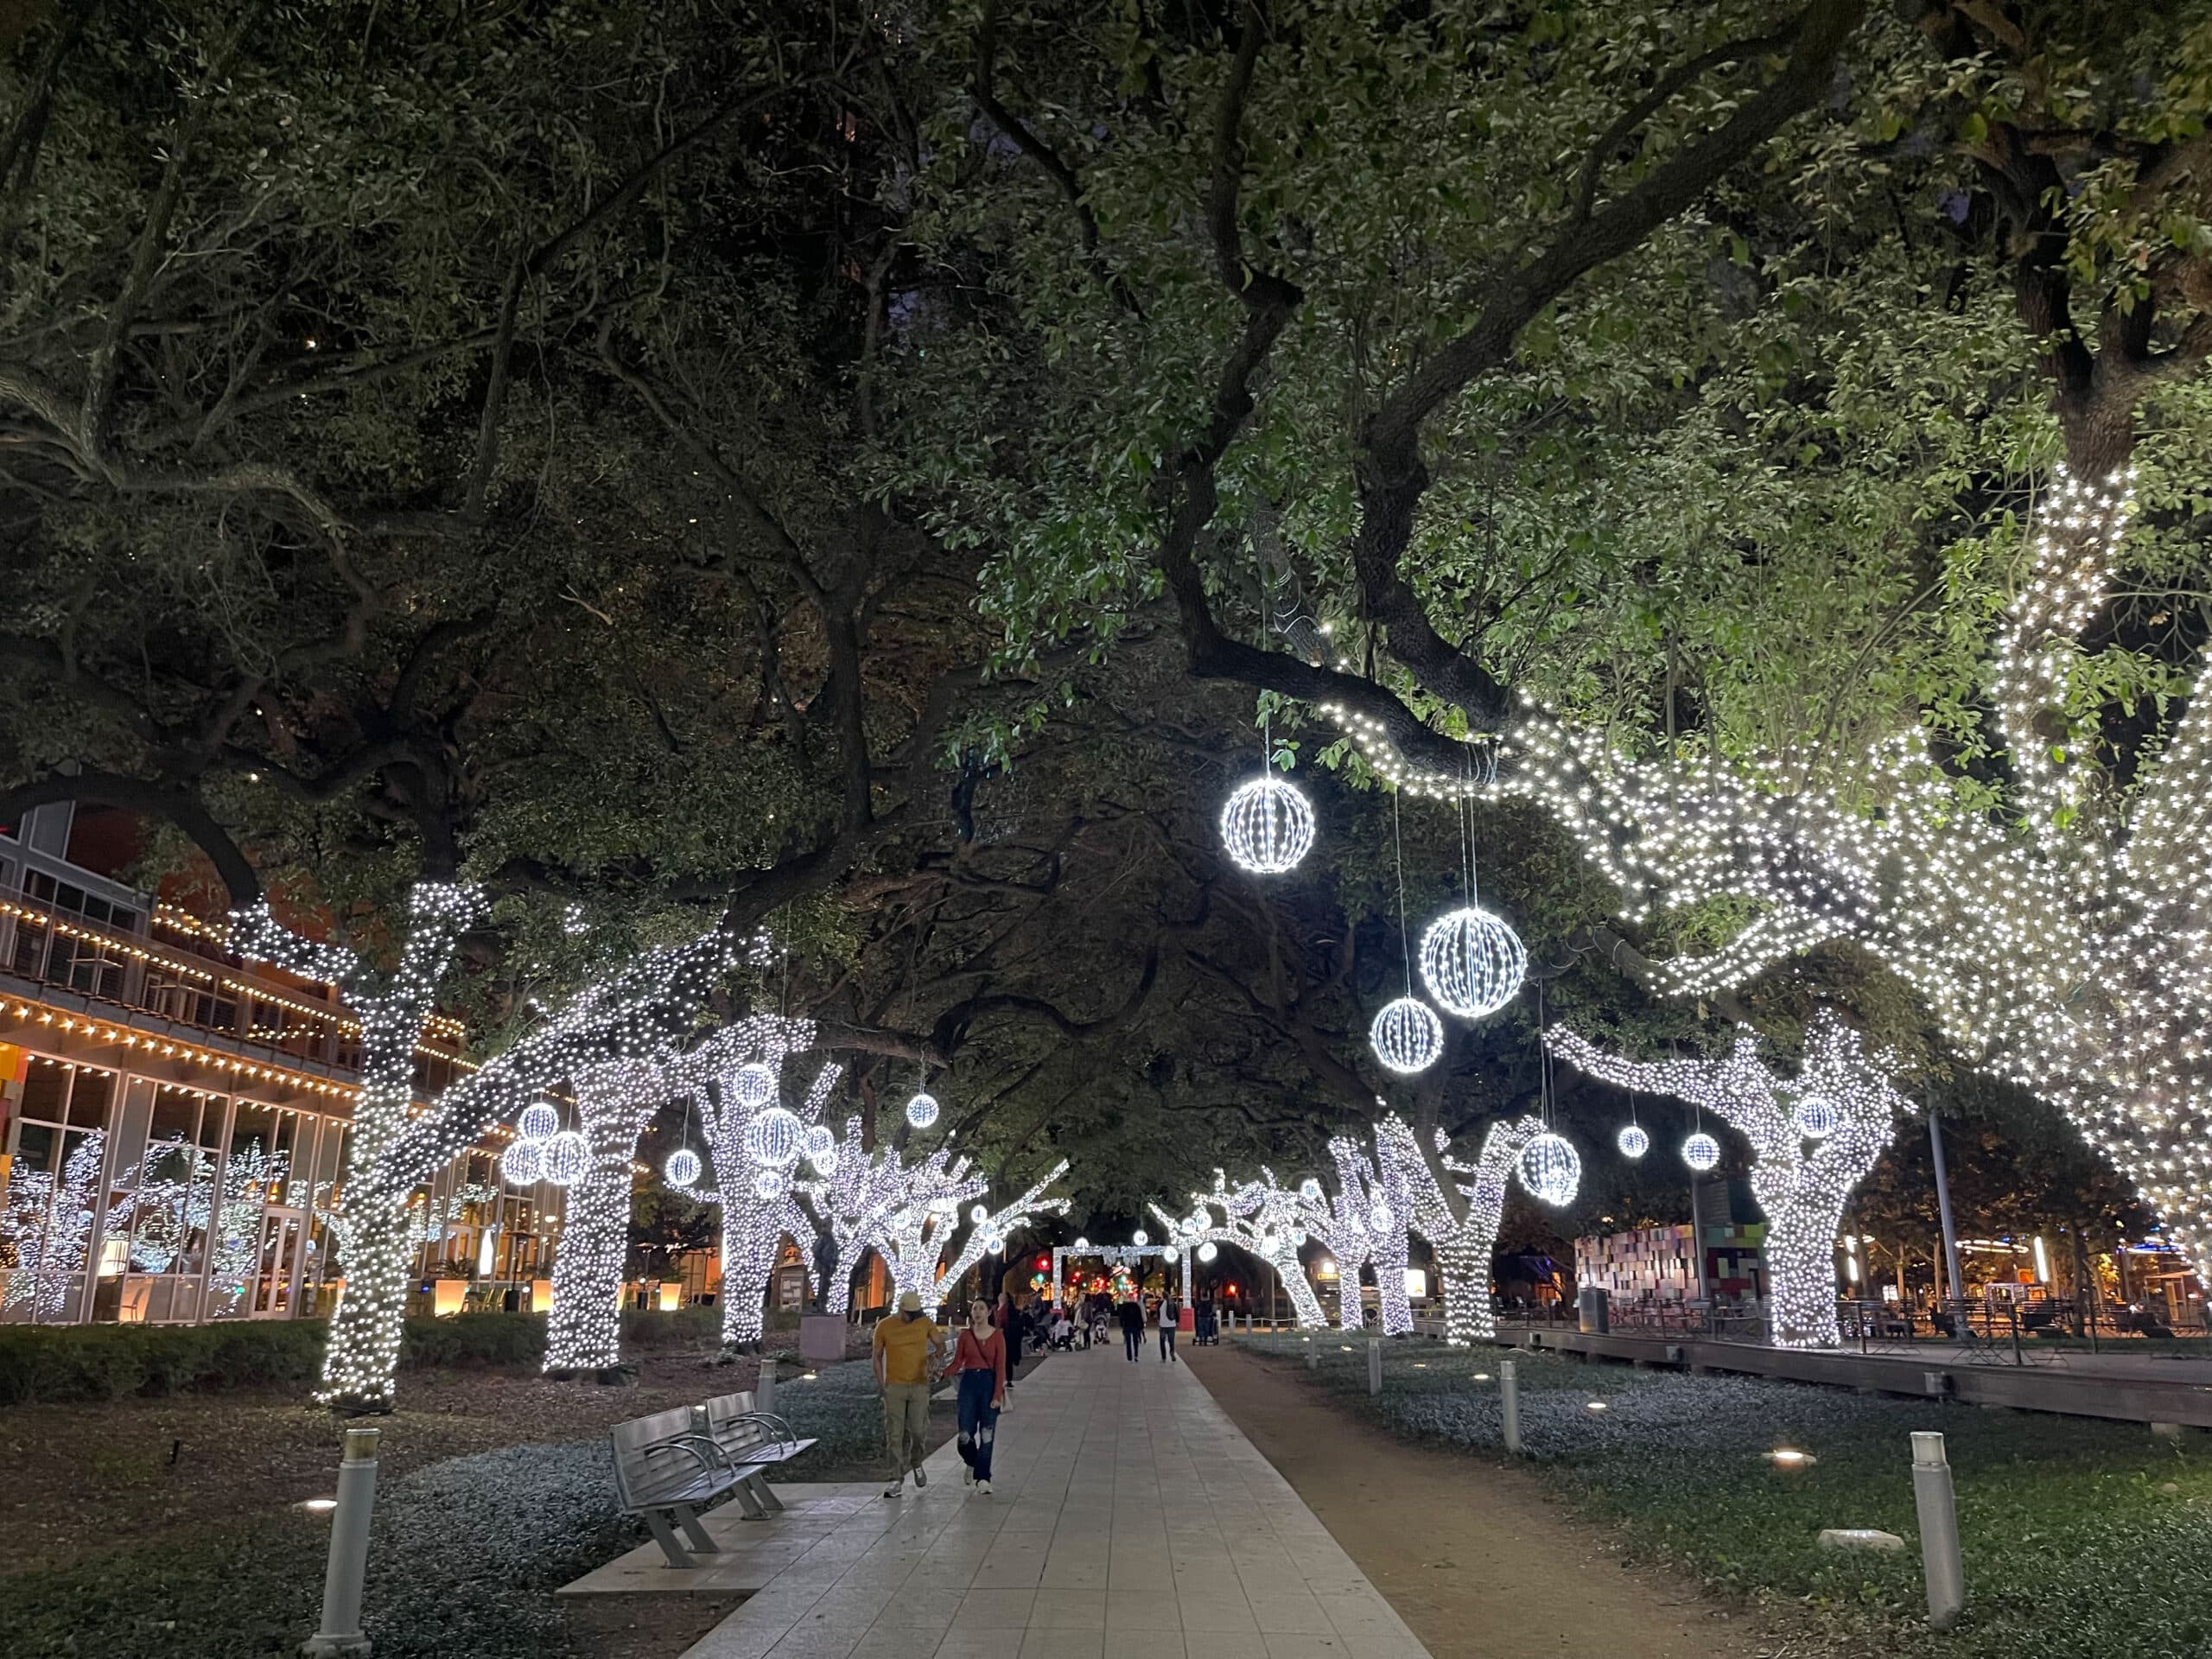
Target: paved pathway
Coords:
[(1126, 1509)]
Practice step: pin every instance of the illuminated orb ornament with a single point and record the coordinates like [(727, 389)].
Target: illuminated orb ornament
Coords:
[(1378, 1218), (1270, 1244), (773, 1138), (1407, 1036), (978, 1213), (819, 1140), (1815, 1118), (1140, 1237), (1551, 1169), (1700, 1152), (1081, 1243), (682, 1166), (1310, 1190), (1632, 1140), (1472, 962), (567, 1157), (1198, 1223), (755, 1085), (921, 1111), (993, 1243), (524, 1163), (1266, 826), (824, 1161), (538, 1121), (770, 1185), (1208, 1250)]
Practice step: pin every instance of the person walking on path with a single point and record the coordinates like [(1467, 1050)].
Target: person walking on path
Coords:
[(1202, 1318), (1132, 1311), (906, 1351), (979, 1360), (1171, 1318)]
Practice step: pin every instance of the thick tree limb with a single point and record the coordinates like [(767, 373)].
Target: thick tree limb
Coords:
[(177, 803)]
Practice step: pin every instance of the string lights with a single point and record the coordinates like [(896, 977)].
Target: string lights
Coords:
[(1632, 1141), (1266, 826), (1551, 1169), (1472, 962), (1700, 1152), (922, 1109), (1460, 1226), (1802, 1182), (1260, 1217), (1407, 1036), (584, 1331)]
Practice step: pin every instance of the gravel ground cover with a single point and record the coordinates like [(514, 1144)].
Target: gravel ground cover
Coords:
[(2082, 1540), (466, 1549)]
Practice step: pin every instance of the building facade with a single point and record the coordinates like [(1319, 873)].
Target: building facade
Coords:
[(173, 1120)]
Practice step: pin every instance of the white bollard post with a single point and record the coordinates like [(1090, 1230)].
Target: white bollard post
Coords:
[(1509, 1399), (1939, 1531), (349, 1551), (1374, 1365), (1312, 1356), (764, 1391)]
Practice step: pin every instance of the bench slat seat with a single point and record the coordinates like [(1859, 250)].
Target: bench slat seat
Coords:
[(744, 1434), (667, 1472)]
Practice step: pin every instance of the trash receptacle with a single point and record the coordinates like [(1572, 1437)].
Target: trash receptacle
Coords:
[(1593, 1309)]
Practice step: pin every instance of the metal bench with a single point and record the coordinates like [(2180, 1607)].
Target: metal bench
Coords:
[(667, 1472), (745, 1435)]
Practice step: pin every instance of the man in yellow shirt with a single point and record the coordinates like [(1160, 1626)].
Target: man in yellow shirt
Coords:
[(908, 1350)]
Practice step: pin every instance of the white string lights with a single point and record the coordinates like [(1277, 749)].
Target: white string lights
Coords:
[(1472, 962), (1700, 1152), (1463, 1234), (538, 1121), (1551, 1169), (1407, 1036), (682, 1169), (1263, 1217), (1267, 827), (584, 1331), (361, 1358), (1802, 1182), (1632, 1141), (922, 1109)]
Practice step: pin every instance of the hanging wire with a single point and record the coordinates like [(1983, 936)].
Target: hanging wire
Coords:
[(1398, 852)]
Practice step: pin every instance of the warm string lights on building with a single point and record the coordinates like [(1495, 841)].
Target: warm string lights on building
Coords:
[(1802, 1181), (1461, 1226), (614, 1103)]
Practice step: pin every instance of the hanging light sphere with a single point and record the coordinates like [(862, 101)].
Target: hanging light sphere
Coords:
[(1407, 1036), (994, 1243), (921, 1111), (1081, 1243), (1208, 1251), (773, 1138), (1815, 1118), (1378, 1218), (524, 1163), (1551, 1169), (538, 1121), (1140, 1237), (770, 1185), (978, 1213), (819, 1140), (755, 1085), (682, 1166), (1472, 962), (1266, 826), (1632, 1140), (824, 1161), (567, 1156), (1310, 1190), (1198, 1222), (1700, 1152), (1269, 1244)]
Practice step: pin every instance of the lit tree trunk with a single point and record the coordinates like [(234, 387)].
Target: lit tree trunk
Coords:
[(361, 1361), (585, 1332), (1461, 1223)]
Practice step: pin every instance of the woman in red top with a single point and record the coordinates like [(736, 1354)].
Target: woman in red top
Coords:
[(979, 1357)]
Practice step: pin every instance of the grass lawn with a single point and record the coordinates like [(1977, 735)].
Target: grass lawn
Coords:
[(466, 1553), (2082, 1540)]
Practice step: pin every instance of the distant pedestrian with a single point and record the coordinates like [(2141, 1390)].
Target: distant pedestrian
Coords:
[(979, 1359), (1202, 1318), (1132, 1311), (1171, 1318), (906, 1349)]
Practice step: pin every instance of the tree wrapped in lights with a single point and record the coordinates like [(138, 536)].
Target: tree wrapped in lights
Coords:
[(584, 1331), (362, 1358), (2058, 940), (989, 1237), (849, 1203), (1457, 1207), (1365, 1223), (911, 1233), (1265, 1218), (1801, 1180), (736, 1074)]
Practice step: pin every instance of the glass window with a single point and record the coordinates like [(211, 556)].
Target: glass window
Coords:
[(88, 1099), (46, 1092)]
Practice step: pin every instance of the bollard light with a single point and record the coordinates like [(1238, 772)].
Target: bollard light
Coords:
[(340, 1633), (1508, 1400), (1937, 1504)]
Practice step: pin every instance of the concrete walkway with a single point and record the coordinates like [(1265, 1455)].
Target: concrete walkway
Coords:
[(1126, 1509)]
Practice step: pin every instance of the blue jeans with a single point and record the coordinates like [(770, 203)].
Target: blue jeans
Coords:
[(979, 1421)]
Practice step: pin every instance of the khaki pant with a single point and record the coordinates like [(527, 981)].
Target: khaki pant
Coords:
[(905, 1426)]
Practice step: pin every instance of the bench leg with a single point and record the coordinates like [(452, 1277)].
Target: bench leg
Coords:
[(695, 1529), (665, 1536), (749, 1502), (766, 1493)]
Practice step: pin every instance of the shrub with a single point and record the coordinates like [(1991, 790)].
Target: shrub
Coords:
[(688, 1327), (473, 1339)]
